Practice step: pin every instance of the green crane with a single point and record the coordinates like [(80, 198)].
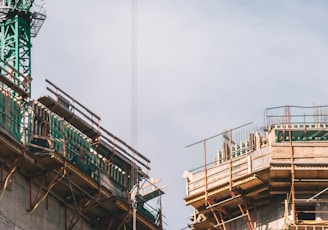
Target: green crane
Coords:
[(19, 21)]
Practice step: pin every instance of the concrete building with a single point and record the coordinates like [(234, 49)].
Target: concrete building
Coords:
[(59, 168), (264, 178)]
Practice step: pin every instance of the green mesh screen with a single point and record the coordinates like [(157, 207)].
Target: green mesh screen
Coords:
[(11, 116)]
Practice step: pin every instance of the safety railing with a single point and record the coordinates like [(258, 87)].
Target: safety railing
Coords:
[(104, 138), (214, 174), (300, 115), (105, 161), (14, 82)]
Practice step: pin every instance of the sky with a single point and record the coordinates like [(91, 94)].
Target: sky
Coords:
[(203, 66)]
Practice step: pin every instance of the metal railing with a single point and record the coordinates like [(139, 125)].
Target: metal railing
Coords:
[(289, 115)]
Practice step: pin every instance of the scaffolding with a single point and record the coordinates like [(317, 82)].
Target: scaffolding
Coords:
[(287, 158), (59, 145), (67, 154)]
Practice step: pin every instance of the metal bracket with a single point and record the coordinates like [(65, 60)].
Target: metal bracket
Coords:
[(45, 188), (5, 182), (83, 205)]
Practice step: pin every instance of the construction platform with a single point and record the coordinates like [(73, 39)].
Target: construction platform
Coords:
[(279, 169), (64, 155)]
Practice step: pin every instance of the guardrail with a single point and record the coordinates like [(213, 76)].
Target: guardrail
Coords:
[(219, 174)]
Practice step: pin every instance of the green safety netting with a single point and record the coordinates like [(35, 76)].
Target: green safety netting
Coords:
[(11, 115), (78, 147), (81, 152)]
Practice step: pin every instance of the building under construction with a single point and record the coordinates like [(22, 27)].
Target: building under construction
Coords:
[(275, 177), (59, 168)]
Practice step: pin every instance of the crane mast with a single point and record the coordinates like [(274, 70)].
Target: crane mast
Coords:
[(19, 21)]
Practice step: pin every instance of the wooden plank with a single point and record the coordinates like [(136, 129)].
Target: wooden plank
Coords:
[(14, 86)]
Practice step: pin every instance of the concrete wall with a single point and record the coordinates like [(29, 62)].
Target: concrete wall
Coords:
[(269, 216), (15, 202)]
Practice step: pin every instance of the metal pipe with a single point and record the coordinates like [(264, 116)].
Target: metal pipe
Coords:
[(230, 220)]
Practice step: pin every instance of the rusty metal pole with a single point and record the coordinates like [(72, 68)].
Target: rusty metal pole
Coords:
[(291, 166), (205, 172), (230, 160)]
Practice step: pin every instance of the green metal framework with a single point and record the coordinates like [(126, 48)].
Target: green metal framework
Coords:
[(19, 21), (16, 43)]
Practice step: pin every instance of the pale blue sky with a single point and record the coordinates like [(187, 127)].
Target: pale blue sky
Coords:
[(203, 67)]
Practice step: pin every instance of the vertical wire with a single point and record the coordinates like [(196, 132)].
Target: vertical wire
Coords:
[(134, 88)]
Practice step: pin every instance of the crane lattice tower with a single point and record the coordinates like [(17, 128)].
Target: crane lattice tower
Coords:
[(19, 21)]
